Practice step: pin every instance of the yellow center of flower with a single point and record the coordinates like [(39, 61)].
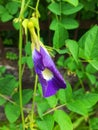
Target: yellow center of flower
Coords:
[(47, 74)]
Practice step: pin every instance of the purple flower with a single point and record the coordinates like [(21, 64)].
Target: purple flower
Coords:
[(49, 77)]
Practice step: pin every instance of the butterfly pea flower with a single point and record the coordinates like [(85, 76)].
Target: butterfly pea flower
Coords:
[(49, 76)]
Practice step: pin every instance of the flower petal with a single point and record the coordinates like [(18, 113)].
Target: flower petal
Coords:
[(49, 76), (37, 58), (48, 63), (50, 87)]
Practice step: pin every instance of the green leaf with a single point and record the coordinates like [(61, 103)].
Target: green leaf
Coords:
[(60, 36), (91, 77), (52, 101), (42, 107), (68, 91), (11, 126), (24, 59), (93, 123), (74, 106), (69, 23), (54, 24), (2, 9), (2, 101), (70, 64), (80, 74), (28, 58), (40, 89), (16, 25), (86, 101), (62, 51), (26, 95), (47, 123), (61, 96), (73, 2), (55, 8), (60, 61), (57, 127), (4, 128), (2, 69), (12, 7), (6, 16), (81, 53), (65, 95), (63, 120), (79, 93), (8, 84), (29, 62), (12, 112), (68, 9), (90, 69), (73, 48), (28, 48), (94, 63), (91, 46), (88, 43), (91, 99), (64, 8)]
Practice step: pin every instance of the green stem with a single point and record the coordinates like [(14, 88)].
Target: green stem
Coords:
[(7, 98), (27, 5), (38, 29), (53, 109), (26, 42), (82, 84), (20, 74), (78, 122), (22, 9), (20, 62), (34, 95), (37, 4)]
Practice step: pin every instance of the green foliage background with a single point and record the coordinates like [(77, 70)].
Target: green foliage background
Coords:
[(76, 106)]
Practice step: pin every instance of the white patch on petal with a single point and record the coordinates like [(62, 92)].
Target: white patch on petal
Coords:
[(47, 74)]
